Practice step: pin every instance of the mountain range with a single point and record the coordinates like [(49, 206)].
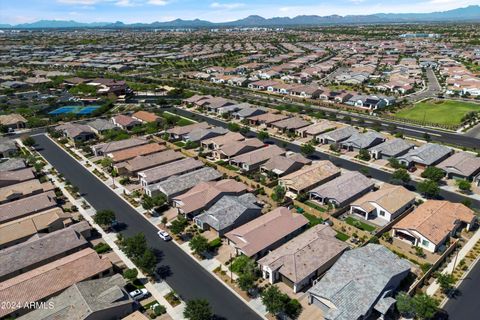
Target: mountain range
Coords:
[(467, 14)]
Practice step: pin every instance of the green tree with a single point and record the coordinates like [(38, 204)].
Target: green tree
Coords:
[(198, 309), (179, 225), (405, 304), (235, 127), (401, 175), (427, 137), (428, 188), (104, 218), (307, 149), (246, 280), (28, 141), (3, 129), (425, 307), (274, 300), (278, 194), (134, 246), (147, 261), (199, 244), (395, 164), (106, 162), (364, 155), (446, 281), (263, 135), (433, 173), (464, 185), (149, 203), (130, 274), (293, 308)]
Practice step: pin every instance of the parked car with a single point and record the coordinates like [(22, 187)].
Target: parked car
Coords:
[(164, 235), (139, 294)]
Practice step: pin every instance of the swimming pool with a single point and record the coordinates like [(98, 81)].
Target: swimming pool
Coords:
[(74, 109)]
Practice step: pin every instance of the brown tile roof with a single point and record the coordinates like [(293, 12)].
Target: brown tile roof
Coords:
[(234, 148), (259, 155), (268, 117), (131, 153), (13, 177), (461, 163), (24, 189), (181, 130), (11, 119), (309, 176), (266, 230), (145, 116), (29, 226), (306, 253), (20, 208), (222, 140), (390, 197), (434, 219), (51, 278), (152, 160), (124, 120), (204, 193)]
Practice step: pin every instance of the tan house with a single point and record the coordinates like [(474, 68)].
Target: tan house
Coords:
[(130, 153), (24, 189), (235, 148), (309, 177), (432, 223), (267, 232), (132, 166), (304, 258), (13, 121), (146, 117)]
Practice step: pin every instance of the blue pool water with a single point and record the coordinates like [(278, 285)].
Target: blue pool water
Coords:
[(74, 109)]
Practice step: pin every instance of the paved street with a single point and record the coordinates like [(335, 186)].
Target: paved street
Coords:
[(432, 90), (465, 306), (342, 163), (187, 278)]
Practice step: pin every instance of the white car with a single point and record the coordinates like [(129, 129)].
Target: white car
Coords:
[(164, 235), (139, 294)]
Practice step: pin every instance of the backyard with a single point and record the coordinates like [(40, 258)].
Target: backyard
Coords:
[(445, 112)]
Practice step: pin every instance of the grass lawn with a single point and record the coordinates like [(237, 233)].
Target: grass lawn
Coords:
[(359, 224), (342, 236), (312, 220), (446, 112), (184, 122), (315, 206)]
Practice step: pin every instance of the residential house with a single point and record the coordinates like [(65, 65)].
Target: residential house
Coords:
[(24, 189), (216, 143), (125, 122), (391, 149), (290, 124), (304, 258), (76, 132), (146, 117), (337, 135), (12, 164), (22, 229), (342, 190), (254, 159), (426, 155), (315, 129), (204, 194), (235, 148), (462, 165), (50, 279), (385, 204), (130, 153), (359, 141), (163, 172), (246, 113), (432, 223), (267, 119), (13, 121), (177, 185), (8, 147), (285, 164), (309, 177), (179, 132), (101, 126), (203, 134), (361, 284), (8, 178), (29, 255), (23, 207), (228, 213), (98, 299), (267, 232), (141, 163), (109, 147)]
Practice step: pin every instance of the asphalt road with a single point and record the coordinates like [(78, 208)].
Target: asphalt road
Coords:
[(432, 90), (465, 305), (339, 162), (186, 277)]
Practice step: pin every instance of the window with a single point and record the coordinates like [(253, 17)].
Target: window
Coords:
[(425, 243), (382, 213)]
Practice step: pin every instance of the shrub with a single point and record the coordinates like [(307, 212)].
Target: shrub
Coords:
[(102, 248), (214, 244)]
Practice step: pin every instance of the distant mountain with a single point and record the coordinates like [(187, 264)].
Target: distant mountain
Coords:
[(470, 13)]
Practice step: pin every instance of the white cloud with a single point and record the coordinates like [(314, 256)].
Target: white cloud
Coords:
[(158, 2), (125, 3), (226, 6)]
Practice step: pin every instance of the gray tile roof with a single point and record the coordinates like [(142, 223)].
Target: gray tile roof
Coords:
[(7, 145), (227, 210), (364, 140), (344, 187), (12, 164), (178, 184), (357, 280), (101, 124), (21, 256), (165, 171), (202, 134), (392, 147), (427, 154), (339, 134), (84, 298), (461, 163), (108, 147)]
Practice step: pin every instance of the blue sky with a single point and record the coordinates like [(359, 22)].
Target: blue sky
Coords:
[(21, 11)]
